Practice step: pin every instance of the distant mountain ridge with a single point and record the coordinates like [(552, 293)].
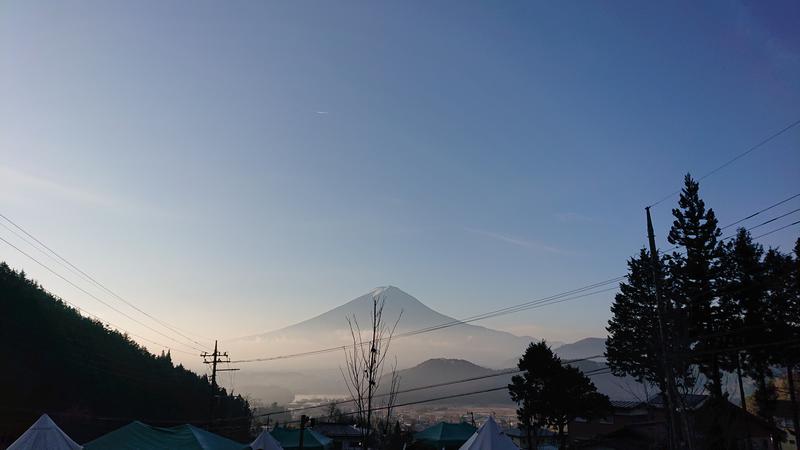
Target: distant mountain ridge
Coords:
[(454, 352), (591, 347), (414, 311), (457, 340)]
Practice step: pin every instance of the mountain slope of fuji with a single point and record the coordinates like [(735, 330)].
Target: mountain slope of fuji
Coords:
[(482, 345)]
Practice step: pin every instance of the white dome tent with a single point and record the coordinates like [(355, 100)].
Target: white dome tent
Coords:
[(44, 433), (489, 437), (265, 441)]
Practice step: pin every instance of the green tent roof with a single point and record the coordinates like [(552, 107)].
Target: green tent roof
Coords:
[(445, 434), (290, 439), (140, 436)]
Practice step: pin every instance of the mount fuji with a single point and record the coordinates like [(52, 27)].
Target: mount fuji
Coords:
[(484, 346)]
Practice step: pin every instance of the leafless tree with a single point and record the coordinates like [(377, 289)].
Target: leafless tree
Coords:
[(364, 362), (391, 396)]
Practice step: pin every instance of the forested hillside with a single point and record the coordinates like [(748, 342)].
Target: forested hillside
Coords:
[(89, 378)]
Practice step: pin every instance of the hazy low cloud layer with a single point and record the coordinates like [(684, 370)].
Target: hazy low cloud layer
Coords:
[(20, 187), (520, 242)]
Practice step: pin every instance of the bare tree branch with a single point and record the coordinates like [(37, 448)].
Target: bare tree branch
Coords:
[(364, 363)]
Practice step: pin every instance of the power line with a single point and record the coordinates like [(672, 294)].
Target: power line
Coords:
[(430, 386), (43, 252), (478, 317), (542, 302), (435, 399), (546, 301), (765, 223), (558, 298), (734, 159), (594, 372), (613, 280), (518, 307), (760, 211), (62, 260), (118, 329), (773, 219), (725, 238), (92, 295), (525, 306), (777, 229), (515, 371), (126, 332), (598, 371)]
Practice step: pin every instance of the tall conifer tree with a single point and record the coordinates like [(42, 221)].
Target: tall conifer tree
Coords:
[(632, 346), (695, 275), (748, 317), (782, 278)]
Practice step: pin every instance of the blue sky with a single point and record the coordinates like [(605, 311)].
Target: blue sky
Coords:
[(239, 166)]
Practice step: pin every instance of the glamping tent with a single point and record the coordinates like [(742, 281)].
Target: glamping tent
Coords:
[(44, 433), (140, 436), (265, 441), (489, 437), (445, 435), (290, 439)]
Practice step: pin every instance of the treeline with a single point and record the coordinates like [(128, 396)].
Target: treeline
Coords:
[(727, 306), (89, 378)]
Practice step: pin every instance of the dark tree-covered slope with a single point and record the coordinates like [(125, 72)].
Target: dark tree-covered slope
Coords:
[(89, 378)]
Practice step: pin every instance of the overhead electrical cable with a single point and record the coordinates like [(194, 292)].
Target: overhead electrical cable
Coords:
[(598, 371), (542, 302), (760, 211), (777, 229), (64, 262), (734, 159), (731, 236), (98, 299), (426, 330)]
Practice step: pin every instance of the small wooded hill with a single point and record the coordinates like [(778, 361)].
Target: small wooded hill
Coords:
[(88, 378), (443, 370)]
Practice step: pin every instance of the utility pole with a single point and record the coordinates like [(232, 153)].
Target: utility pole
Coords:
[(748, 443), (670, 395), (216, 357), (793, 400), (303, 420)]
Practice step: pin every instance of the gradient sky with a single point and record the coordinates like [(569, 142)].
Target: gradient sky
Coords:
[(235, 167)]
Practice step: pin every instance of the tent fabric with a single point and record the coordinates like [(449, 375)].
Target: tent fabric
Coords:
[(489, 437), (290, 439), (140, 436), (44, 433), (265, 441), (445, 434)]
